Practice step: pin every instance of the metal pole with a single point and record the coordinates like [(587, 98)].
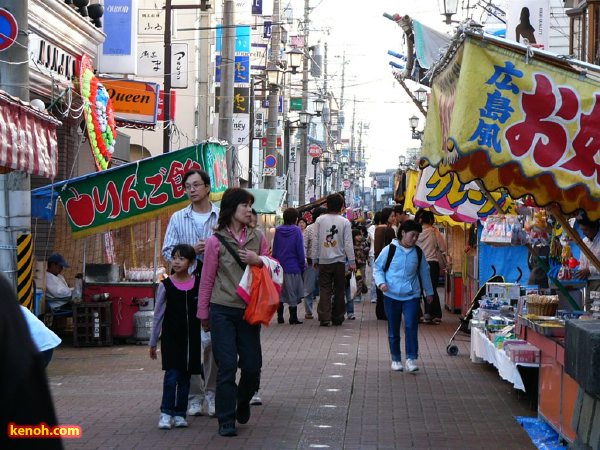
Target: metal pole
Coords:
[(251, 146), (167, 81), (16, 202), (227, 78), (272, 117), (302, 154)]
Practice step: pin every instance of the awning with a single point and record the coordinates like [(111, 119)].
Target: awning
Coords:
[(27, 138), (267, 201)]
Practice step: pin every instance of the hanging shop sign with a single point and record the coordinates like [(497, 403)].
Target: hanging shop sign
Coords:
[(161, 101), (151, 62), (27, 138), (118, 52), (9, 29), (133, 101), (241, 129), (529, 20), (525, 123), (99, 115), (51, 60), (137, 191)]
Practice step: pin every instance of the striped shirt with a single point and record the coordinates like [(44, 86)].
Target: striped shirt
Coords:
[(183, 229)]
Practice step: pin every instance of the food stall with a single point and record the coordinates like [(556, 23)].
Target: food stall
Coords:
[(530, 119), (112, 223)]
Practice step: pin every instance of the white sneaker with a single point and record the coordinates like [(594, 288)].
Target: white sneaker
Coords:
[(411, 365), (195, 407), (180, 422), (210, 403), (164, 423), (397, 366), (256, 400)]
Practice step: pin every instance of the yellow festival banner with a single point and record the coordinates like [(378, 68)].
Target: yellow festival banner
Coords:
[(518, 122), (447, 196)]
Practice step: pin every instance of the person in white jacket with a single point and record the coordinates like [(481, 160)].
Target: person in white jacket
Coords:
[(402, 284)]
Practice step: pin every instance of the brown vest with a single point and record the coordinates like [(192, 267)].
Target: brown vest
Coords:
[(229, 272)]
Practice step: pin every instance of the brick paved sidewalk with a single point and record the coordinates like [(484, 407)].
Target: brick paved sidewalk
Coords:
[(321, 388)]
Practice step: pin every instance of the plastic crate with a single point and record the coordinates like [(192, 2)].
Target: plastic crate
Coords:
[(92, 325)]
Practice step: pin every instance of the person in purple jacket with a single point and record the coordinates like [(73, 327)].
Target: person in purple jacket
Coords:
[(288, 249)]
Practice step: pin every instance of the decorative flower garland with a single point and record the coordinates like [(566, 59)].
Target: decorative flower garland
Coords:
[(99, 115)]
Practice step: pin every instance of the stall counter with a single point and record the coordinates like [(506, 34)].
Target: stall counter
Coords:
[(557, 390)]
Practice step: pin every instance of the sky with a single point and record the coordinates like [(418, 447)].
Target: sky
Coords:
[(359, 29)]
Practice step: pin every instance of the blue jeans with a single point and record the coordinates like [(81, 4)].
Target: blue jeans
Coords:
[(176, 388), (394, 310), (235, 343), (311, 287)]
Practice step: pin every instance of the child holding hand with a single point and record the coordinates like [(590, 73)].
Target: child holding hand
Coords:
[(179, 328)]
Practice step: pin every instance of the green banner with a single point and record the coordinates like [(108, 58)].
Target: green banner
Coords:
[(138, 191), (296, 104)]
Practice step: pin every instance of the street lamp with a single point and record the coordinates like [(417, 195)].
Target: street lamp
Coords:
[(450, 8), (319, 105), (414, 123), (274, 75), (421, 95), (304, 117), (295, 57)]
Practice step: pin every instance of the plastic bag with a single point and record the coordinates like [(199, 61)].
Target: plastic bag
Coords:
[(353, 286), (205, 338), (264, 300)]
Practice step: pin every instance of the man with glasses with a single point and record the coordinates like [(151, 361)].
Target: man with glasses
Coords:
[(193, 225)]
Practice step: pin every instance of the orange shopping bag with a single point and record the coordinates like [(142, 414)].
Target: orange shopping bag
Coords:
[(264, 297)]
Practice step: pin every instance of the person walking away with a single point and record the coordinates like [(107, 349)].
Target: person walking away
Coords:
[(384, 235), (434, 247), (371, 260), (331, 248), (193, 225), (221, 310), (288, 249), (361, 258), (311, 275), (402, 277), (179, 328)]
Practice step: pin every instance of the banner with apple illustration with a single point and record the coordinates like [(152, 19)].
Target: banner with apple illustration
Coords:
[(135, 192)]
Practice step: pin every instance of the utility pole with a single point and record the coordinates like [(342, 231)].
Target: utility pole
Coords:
[(273, 114), (167, 126), (15, 209), (302, 155), (227, 77), (328, 122)]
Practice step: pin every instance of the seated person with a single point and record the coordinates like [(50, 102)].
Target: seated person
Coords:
[(58, 292)]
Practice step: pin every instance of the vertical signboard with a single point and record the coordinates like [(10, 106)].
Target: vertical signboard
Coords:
[(118, 54), (529, 19)]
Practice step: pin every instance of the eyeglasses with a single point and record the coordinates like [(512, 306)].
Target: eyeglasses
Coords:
[(193, 187)]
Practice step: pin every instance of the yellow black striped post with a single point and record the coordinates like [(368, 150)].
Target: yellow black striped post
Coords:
[(25, 270)]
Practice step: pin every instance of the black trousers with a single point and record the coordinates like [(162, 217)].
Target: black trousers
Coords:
[(434, 308)]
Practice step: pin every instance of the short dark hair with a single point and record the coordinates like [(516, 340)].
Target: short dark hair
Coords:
[(184, 250), (335, 202), (408, 226), (232, 198), (203, 174), (254, 213), (317, 212), (385, 215), (377, 218), (427, 217), (583, 219), (290, 216), (398, 209)]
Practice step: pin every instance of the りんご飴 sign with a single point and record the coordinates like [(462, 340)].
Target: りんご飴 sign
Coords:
[(138, 191)]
